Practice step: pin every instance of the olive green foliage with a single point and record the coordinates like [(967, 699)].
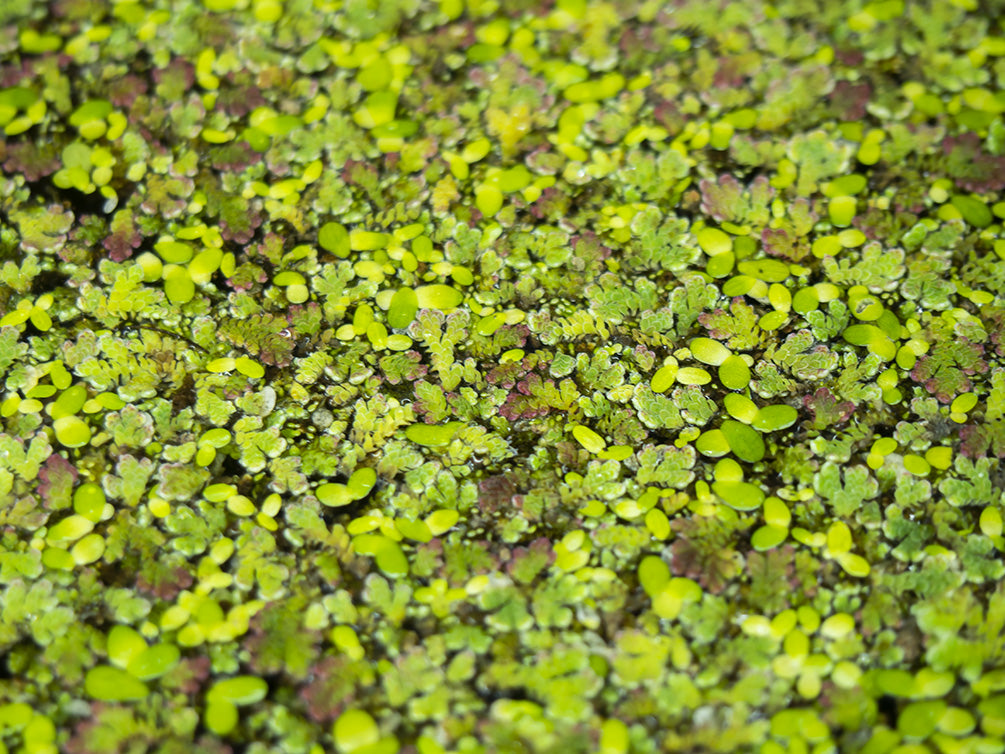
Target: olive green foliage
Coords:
[(475, 376)]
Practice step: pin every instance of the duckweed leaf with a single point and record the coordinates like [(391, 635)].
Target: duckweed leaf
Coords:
[(430, 435), (709, 351), (734, 373), (741, 496), (589, 439), (388, 554), (89, 501), (768, 537), (404, 305), (334, 495), (418, 531), (334, 237), (744, 442), (72, 431), (354, 730), (740, 407), (240, 690), (775, 418), (69, 530), (124, 645), (438, 297), (973, 210), (109, 684), (220, 717), (653, 575), (713, 443), (361, 482), (153, 662)]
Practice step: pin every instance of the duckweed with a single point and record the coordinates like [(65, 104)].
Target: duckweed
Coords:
[(221, 717), (709, 351), (334, 237), (768, 537), (240, 505), (916, 465), (728, 470), (854, 565), (773, 320), (219, 493), (361, 482), (745, 443), (89, 501), (653, 575), (841, 210), (71, 431), (418, 531), (154, 662), (58, 559), (68, 530), (221, 365), (88, 549), (739, 495), (713, 443), (589, 439), (991, 522), (404, 305), (442, 297), (614, 737), (249, 367), (334, 495), (240, 690), (720, 265), (766, 270), (674, 596), (108, 684), (693, 376), (387, 553), (664, 378), (774, 418), (433, 436), (714, 242), (734, 373), (123, 644), (471, 376), (69, 402), (355, 730), (973, 210)]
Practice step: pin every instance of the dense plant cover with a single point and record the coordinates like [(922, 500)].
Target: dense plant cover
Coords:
[(502, 376)]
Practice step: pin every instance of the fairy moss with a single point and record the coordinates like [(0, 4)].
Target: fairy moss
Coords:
[(467, 376)]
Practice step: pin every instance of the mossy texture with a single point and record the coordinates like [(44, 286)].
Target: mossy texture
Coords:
[(476, 376)]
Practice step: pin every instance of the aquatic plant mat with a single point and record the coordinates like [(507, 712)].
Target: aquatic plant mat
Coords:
[(483, 376)]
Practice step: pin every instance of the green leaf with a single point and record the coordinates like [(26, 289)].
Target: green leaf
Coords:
[(155, 661), (656, 411), (741, 496), (43, 228), (240, 690), (745, 443), (10, 349), (108, 684), (848, 496), (666, 465), (355, 730)]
